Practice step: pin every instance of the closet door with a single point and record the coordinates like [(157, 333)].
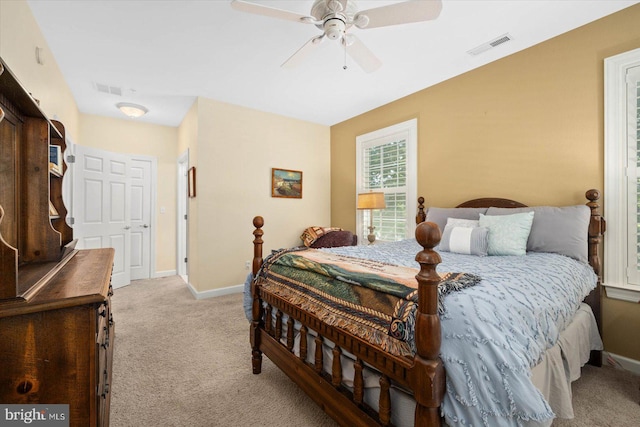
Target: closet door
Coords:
[(140, 178), (102, 206)]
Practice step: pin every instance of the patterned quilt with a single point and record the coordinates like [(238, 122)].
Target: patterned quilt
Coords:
[(371, 299)]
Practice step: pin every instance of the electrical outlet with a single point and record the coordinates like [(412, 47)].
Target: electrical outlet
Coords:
[(247, 265)]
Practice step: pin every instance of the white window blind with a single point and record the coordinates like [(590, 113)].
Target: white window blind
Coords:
[(633, 175), (386, 161), (622, 176)]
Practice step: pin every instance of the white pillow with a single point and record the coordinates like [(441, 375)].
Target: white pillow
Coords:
[(465, 240), (508, 234)]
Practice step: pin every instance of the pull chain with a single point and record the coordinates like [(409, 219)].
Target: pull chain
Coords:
[(344, 43)]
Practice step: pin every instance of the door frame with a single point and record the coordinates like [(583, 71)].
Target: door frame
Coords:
[(182, 208)]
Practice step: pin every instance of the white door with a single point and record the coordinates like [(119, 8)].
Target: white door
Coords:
[(113, 200), (101, 208), (140, 173)]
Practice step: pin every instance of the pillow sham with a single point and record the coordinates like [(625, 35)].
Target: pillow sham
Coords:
[(440, 215), (465, 240), (508, 234), (562, 230)]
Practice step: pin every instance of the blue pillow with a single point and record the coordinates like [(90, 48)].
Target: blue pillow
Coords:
[(562, 230), (508, 234)]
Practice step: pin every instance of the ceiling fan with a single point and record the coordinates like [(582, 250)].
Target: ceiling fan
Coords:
[(335, 17)]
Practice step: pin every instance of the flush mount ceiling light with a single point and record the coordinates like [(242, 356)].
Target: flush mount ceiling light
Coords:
[(132, 110)]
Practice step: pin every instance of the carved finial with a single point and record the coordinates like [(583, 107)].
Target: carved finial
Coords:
[(428, 235), (593, 195), (421, 200), (258, 222)]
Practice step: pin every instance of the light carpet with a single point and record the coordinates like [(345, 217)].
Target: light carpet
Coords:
[(185, 362)]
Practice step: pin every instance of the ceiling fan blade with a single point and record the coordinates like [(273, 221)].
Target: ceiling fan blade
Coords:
[(361, 54), (295, 59), (272, 12), (398, 13)]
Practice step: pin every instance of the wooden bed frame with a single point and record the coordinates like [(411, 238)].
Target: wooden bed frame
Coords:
[(423, 374)]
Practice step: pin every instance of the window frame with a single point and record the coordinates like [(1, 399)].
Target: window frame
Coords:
[(616, 200), (409, 131)]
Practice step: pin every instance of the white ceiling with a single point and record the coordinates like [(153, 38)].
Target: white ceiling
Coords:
[(163, 54)]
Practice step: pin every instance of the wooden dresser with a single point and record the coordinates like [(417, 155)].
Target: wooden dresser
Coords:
[(58, 346), (56, 327)]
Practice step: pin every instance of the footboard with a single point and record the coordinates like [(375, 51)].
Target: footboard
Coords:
[(423, 375)]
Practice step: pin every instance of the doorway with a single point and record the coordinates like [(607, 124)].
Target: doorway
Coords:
[(183, 215), (113, 206)]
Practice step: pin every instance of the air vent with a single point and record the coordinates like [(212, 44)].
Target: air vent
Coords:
[(491, 44), (113, 90)]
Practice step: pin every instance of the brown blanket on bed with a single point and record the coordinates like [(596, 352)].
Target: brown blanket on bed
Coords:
[(372, 300)]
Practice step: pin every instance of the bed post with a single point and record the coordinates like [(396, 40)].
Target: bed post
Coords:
[(256, 309), (597, 227), (420, 216), (428, 372)]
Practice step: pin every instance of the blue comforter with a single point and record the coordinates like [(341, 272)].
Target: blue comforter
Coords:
[(495, 332)]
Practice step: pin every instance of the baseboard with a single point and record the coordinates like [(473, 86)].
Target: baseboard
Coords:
[(165, 273), (625, 363), (237, 289)]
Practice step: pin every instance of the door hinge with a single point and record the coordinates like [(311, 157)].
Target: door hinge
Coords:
[(71, 158), (185, 260), (185, 216), (72, 220)]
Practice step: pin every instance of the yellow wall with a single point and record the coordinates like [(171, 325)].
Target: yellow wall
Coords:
[(188, 140), (132, 137), (19, 36), (527, 127), (236, 149)]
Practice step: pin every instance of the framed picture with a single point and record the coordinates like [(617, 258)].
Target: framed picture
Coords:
[(55, 160), (191, 178), (286, 183)]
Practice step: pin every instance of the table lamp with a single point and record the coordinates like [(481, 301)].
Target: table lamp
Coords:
[(371, 201)]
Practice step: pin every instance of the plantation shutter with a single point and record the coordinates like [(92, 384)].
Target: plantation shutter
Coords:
[(633, 175)]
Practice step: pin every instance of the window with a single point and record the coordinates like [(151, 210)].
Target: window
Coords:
[(386, 161), (622, 176)]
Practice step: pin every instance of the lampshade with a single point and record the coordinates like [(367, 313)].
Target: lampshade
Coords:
[(132, 110), (371, 200)]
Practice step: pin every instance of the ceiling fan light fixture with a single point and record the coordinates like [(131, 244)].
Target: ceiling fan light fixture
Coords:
[(334, 28), (132, 110)]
